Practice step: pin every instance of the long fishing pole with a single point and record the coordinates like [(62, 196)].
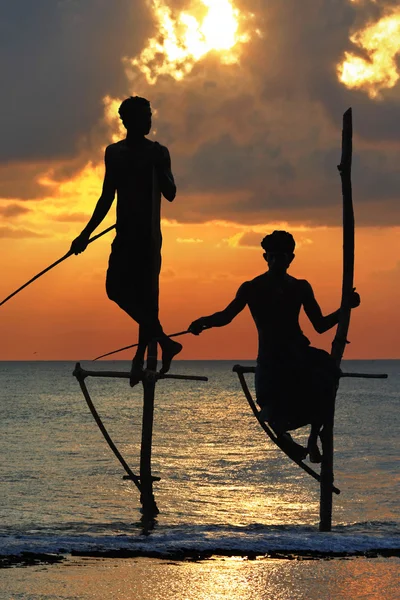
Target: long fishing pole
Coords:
[(60, 260), (134, 345)]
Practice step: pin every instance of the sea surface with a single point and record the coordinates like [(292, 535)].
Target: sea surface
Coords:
[(225, 488)]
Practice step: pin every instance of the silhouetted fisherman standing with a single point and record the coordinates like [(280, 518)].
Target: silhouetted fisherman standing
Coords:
[(294, 382), (140, 171)]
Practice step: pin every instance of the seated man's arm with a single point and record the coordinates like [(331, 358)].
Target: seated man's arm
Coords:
[(101, 209), (224, 317), (165, 177), (313, 311)]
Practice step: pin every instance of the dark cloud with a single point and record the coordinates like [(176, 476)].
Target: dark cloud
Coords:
[(21, 181), (58, 60), (225, 165), (272, 135), (250, 142)]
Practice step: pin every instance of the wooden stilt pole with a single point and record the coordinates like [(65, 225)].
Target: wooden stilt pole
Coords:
[(149, 379), (149, 505), (340, 340), (327, 476), (267, 428)]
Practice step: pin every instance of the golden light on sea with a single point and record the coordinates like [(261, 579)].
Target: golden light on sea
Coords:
[(185, 37), (380, 70)]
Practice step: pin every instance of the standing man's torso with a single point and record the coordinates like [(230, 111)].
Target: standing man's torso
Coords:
[(132, 172)]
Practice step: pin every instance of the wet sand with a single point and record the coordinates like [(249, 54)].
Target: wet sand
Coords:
[(233, 578)]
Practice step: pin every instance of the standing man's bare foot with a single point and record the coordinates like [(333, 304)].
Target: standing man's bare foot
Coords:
[(169, 350), (136, 371)]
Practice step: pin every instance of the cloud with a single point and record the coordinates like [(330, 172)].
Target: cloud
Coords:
[(251, 239), (252, 142), (269, 133), (8, 232), (13, 210), (72, 217), (59, 59)]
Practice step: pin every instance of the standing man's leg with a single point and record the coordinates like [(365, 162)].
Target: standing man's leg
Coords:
[(151, 329), (137, 300)]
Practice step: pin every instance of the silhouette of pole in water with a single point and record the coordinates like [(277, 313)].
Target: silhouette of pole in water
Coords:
[(340, 340), (149, 506), (148, 502)]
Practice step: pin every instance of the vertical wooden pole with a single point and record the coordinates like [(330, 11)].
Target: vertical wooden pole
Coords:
[(340, 340), (146, 480), (149, 382), (327, 476)]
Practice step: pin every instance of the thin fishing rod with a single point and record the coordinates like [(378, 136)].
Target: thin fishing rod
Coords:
[(60, 260), (134, 345)]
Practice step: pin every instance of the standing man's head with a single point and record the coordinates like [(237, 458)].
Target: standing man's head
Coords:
[(135, 113), (279, 250)]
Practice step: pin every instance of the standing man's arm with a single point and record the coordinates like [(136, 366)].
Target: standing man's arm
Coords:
[(314, 313), (164, 172), (102, 207), (224, 317)]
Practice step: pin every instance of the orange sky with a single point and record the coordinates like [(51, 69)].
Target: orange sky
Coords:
[(249, 102), (66, 314)]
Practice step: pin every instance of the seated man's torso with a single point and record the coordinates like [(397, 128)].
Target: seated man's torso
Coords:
[(275, 307)]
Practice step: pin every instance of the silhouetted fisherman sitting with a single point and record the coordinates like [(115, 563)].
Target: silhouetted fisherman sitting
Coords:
[(139, 170), (295, 383)]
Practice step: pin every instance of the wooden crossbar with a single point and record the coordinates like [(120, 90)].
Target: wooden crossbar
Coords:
[(244, 370), (268, 429), (82, 373)]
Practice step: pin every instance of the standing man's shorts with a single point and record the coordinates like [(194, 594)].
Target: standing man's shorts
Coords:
[(130, 276)]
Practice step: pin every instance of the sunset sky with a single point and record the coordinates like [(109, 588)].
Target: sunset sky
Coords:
[(248, 96)]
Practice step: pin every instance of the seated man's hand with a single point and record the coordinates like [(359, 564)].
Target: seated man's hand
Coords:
[(355, 299), (198, 326), (80, 243)]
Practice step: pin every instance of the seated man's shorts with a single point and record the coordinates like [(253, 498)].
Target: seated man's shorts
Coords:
[(297, 389)]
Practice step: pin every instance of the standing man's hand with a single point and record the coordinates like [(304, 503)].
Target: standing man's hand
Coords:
[(80, 243)]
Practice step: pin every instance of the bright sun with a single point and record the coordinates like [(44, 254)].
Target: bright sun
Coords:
[(184, 38)]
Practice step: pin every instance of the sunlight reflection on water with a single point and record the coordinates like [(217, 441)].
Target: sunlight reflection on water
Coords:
[(217, 468), (216, 579)]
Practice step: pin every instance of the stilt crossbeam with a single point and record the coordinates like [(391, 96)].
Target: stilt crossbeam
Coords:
[(145, 481), (242, 371)]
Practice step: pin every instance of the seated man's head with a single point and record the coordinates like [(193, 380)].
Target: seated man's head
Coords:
[(135, 114), (279, 250)]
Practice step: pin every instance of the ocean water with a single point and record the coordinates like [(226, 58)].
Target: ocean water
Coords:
[(224, 486)]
